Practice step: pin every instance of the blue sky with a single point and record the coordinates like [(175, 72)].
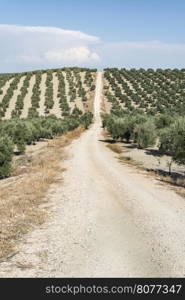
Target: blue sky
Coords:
[(94, 33)]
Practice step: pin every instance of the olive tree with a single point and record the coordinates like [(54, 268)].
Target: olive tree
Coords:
[(6, 152), (172, 140), (146, 134)]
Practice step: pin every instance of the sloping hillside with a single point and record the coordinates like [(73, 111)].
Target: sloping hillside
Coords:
[(148, 91), (45, 92)]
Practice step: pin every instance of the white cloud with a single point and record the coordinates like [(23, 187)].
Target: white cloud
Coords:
[(29, 47), (76, 55), (53, 31)]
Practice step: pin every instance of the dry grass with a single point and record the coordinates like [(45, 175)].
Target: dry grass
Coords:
[(132, 162), (21, 196), (177, 183), (180, 182), (115, 148), (126, 158), (181, 192)]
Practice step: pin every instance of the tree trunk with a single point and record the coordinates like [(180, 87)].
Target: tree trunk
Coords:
[(170, 167)]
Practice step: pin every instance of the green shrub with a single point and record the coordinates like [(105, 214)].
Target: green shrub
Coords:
[(172, 140), (6, 152), (146, 134)]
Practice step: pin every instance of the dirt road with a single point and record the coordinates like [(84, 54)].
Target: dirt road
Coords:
[(107, 220)]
